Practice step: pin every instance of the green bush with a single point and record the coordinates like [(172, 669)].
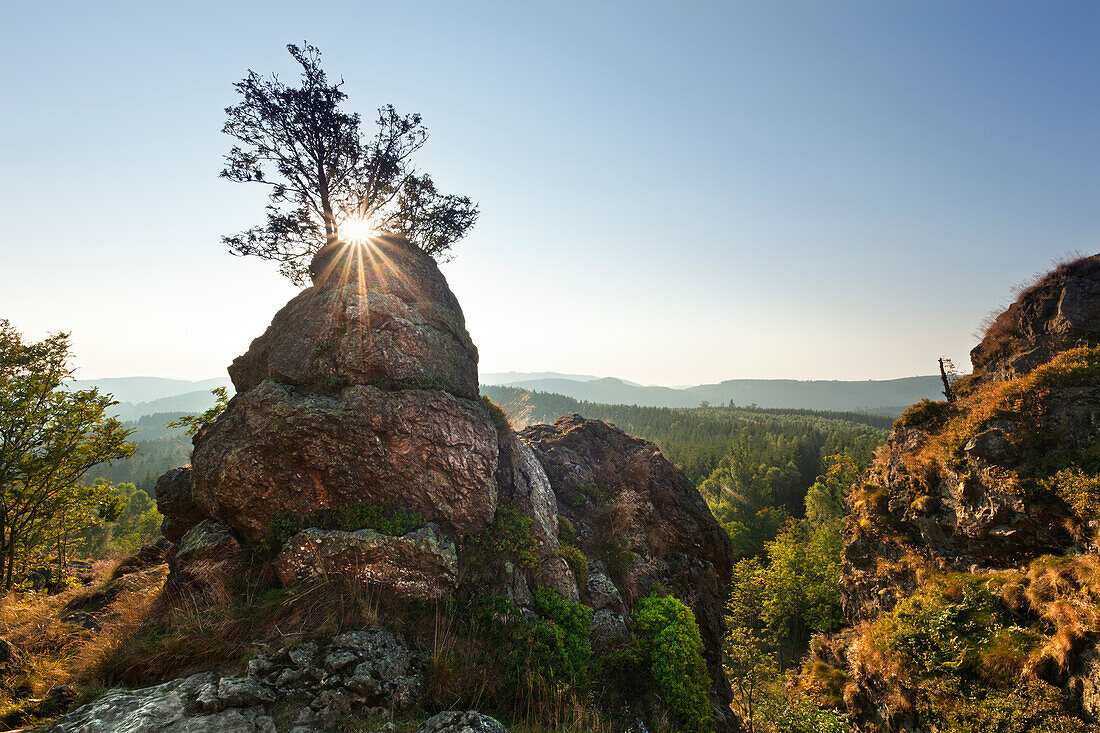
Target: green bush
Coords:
[(543, 655), (950, 705), (578, 563), (500, 420), (945, 627), (669, 641), (508, 538), (925, 411)]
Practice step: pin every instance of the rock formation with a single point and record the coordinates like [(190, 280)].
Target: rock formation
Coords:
[(356, 448), (641, 524), (960, 516)]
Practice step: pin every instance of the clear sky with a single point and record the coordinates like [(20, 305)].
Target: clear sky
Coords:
[(672, 193)]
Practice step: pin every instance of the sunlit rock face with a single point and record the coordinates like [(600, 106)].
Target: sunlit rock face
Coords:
[(380, 313), (1059, 311), (362, 391), (279, 449)]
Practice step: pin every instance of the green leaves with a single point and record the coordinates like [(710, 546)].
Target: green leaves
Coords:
[(669, 640), (193, 423), (50, 437)]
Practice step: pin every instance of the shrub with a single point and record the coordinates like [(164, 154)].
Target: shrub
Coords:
[(578, 563), (946, 626), (1078, 489), (500, 420), (508, 538), (669, 640), (925, 411)]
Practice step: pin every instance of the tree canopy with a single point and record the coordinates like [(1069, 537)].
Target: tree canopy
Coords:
[(50, 437), (324, 173)]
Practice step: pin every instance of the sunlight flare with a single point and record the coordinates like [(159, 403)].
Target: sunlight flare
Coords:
[(357, 230)]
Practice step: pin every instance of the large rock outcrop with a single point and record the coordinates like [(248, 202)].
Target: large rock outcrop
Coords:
[(639, 519), (1058, 311), (973, 534), (356, 449), (377, 314), (363, 392)]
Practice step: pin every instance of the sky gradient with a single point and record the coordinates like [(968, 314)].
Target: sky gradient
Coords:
[(672, 193)]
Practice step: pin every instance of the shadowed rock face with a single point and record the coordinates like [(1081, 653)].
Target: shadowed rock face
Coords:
[(277, 449), (1058, 312), (380, 314), (631, 506), (175, 502)]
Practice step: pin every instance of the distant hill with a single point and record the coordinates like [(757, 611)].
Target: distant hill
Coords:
[(147, 389), (187, 403), (147, 395), (886, 397)]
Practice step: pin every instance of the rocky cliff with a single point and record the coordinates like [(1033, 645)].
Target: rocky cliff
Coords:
[(968, 572), (357, 454)]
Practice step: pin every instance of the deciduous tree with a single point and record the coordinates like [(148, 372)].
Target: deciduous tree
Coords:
[(325, 176), (50, 437)]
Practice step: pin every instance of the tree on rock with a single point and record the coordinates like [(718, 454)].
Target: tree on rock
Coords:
[(326, 180)]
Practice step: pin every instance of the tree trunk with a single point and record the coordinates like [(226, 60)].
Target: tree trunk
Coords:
[(947, 391)]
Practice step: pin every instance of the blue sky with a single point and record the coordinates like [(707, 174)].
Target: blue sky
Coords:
[(672, 193)]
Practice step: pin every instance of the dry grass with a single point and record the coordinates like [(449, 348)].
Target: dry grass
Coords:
[(1064, 593), (55, 652)]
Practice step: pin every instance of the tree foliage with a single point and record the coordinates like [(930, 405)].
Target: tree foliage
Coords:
[(322, 171), (50, 437)]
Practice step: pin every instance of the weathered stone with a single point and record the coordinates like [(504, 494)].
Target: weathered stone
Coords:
[(147, 556), (421, 565), (167, 708), (646, 509), (600, 591), (275, 449), (243, 692), (453, 721), (175, 502), (524, 484), (992, 446), (389, 670), (607, 628), (381, 314), (208, 547)]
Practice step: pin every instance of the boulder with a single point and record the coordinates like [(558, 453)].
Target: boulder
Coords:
[(276, 449), (640, 515), (209, 547), (379, 314), (175, 502), (453, 721), (421, 565)]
